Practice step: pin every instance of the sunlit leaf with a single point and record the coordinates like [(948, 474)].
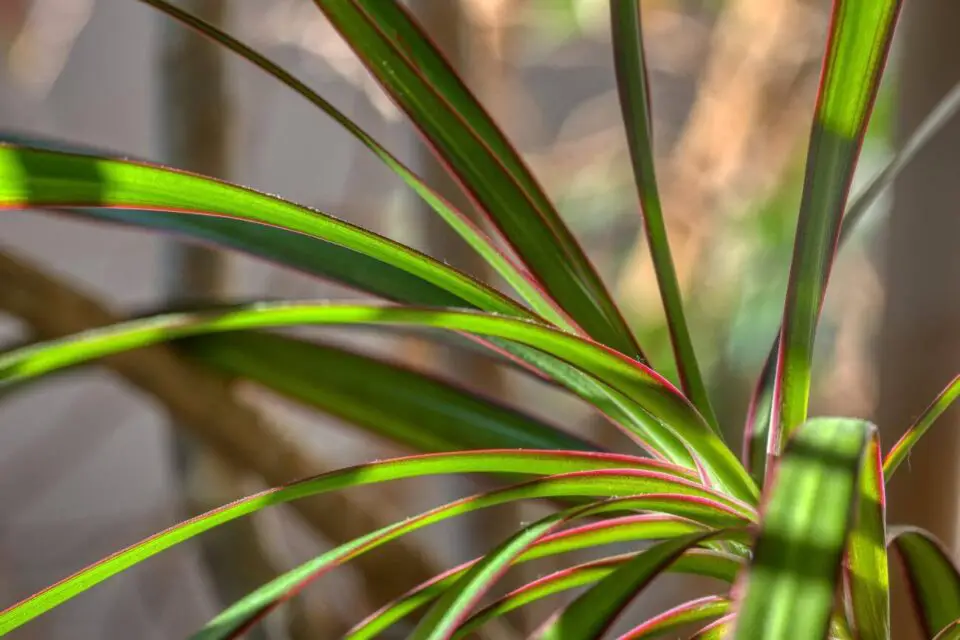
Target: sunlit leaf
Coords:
[(867, 576), (788, 592), (654, 394), (857, 49), (622, 481), (899, 452), (516, 276), (652, 490), (679, 617), (591, 615)]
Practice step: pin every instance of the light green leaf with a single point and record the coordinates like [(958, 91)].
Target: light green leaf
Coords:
[(788, 591)]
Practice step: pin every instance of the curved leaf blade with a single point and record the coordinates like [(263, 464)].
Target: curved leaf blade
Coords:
[(788, 592), (757, 428), (647, 485), (516, 276), (400, 56), (31, 177), (859, 40), (933, 578), (866, 571), (519, 462), (899, 452), (590, 615), (678, 617), (310, 255), (631, 69), (696, 562), (608, 531), (627, 376), (408, 407)]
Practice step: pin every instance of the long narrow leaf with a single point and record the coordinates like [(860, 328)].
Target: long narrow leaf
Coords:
[(415, 75), (679, 617), (452, 608), (758, 420), (326, 259), (629, 377), (591, 615), (31, 177), (867, 576), (949, 632), (410, 408), (510, 462), (516, 276), (899, 452), (933, 578), (608, 531), (632, 88), (788, 592), (696, 562), (598, 483), (859, 40)]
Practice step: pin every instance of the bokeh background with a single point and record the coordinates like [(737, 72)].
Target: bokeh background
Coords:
[(89, 462)]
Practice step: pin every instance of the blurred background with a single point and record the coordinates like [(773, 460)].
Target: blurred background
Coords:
[(90, 462)]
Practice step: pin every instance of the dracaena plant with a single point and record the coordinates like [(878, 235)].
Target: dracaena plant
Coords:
[(795, 527)]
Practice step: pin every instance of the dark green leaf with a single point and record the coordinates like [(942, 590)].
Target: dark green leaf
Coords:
[(652, 393), (412, 71), (410, 408), (932, 577), (632, 85), (515, 276), (591, 614)]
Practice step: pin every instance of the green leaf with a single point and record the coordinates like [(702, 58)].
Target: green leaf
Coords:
[(933, 578), (789, 589), (679, 617), (716, 630), (31, 177), (415, 75), (285, 248), (447, 613), (608, 531), (623, 481), (626, 376), (899, 452), (516, 276), (949, 632), (327, 259), (632, 83), (591, 614), (856, 53), (408, 407), (597, 483), (867, 576), (695, 561), (758, 420)]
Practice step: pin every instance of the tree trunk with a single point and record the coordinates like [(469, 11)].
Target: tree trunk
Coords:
[(920, 346)]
